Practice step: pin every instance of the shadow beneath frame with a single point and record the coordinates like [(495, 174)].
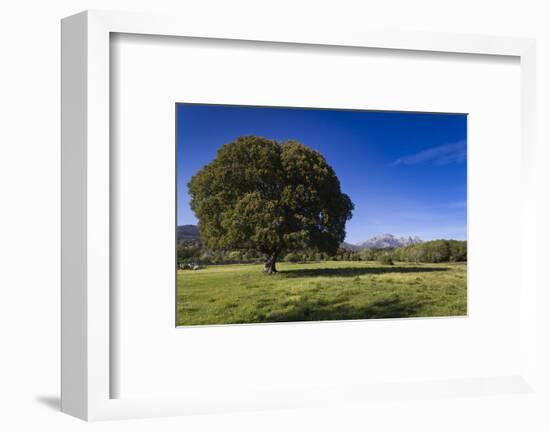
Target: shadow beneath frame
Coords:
[(51, 401)]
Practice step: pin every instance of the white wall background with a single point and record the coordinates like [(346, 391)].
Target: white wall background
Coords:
[(30, 183)]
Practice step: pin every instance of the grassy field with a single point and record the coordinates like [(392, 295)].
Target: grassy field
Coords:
[(320, 291)]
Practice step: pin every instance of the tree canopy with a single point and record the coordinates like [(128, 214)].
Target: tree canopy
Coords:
[(272, 197)]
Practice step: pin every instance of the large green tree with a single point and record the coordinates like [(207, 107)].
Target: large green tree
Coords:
[(259, 194)]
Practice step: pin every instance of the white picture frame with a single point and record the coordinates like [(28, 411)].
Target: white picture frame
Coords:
[(86, 312)]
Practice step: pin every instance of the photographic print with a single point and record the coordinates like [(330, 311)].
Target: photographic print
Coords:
[(302, 214)]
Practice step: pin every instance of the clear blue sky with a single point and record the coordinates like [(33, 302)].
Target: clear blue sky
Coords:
[(405, 172)]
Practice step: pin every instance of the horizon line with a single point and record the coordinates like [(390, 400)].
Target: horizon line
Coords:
[(357, 243)]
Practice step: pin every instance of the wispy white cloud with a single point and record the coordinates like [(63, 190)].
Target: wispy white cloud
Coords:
[(457, 204), (441, 155)]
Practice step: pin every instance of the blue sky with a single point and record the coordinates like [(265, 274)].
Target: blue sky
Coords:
[(405, 172)]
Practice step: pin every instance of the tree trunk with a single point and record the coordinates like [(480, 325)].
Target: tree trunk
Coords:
[(270, 266)]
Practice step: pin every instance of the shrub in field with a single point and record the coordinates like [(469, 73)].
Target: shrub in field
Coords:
[(293, 257), (205, 258), (234, 256), (385, 259), (434, 252), (188, 252), (458, 251)]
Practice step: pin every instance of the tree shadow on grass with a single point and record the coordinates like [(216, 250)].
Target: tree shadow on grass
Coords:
[(354, 271), (385, 308)]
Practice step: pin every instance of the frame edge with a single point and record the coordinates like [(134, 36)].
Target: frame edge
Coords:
[(74, 306)]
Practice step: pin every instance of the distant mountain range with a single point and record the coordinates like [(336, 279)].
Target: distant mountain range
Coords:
[(189, 233), (386, 240)]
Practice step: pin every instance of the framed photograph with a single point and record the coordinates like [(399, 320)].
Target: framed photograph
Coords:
[(263, 218), (254, 200)]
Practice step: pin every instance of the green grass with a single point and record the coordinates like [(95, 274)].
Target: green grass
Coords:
[(320, 291)]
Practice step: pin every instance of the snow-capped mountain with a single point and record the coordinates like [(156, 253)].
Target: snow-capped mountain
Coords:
[(387, 240)]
